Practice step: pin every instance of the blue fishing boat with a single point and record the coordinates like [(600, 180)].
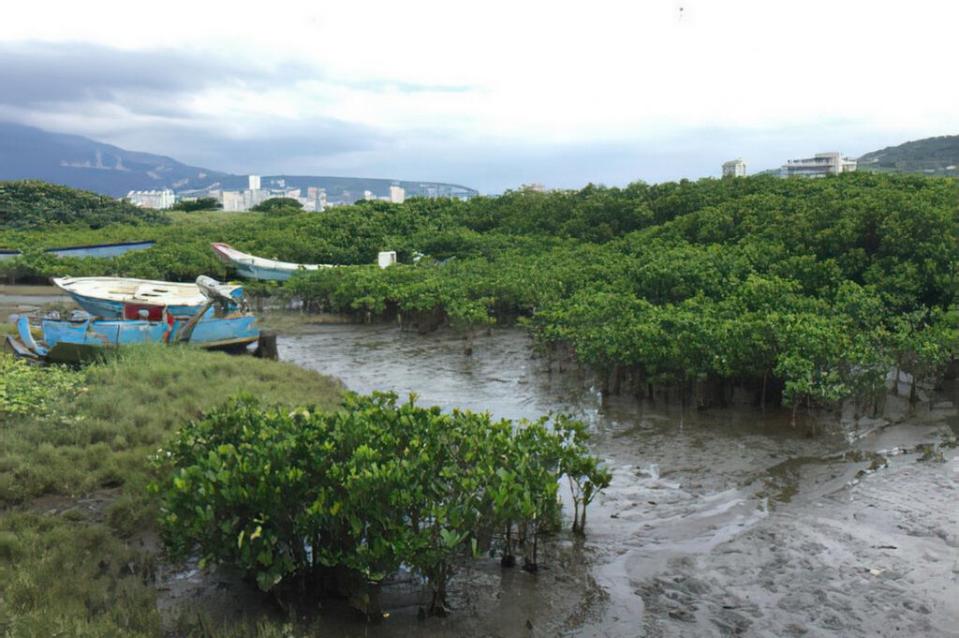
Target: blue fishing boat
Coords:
[(220, 324)]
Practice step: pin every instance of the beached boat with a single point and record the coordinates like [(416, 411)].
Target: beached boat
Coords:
[(218, 323), (122, 298), (253, 267)]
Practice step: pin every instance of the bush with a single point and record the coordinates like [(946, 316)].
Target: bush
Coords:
[(33, 204), (363, 490), (278, 205), (202, 203)]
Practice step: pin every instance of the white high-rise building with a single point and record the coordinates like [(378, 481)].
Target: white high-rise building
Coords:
[(159, 200), (254, 182), (820, 165), (397, 194), (317, 196), (734, 168)]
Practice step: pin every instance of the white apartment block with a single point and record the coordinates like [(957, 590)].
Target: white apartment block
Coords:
[(152, 199), (254, 182), (820, 165), (734, 168), (397, 194), (233, 200)]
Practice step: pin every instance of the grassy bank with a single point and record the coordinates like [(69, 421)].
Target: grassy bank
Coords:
[(77, 550)]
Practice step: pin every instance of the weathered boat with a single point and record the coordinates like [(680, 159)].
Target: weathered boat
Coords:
[(122, 298), (221, 322), (253, 267)]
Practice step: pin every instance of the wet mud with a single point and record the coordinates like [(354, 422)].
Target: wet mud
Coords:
[(717, 523)]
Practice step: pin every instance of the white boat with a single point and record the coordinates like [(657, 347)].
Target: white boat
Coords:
[(253, 267), (123, 298)]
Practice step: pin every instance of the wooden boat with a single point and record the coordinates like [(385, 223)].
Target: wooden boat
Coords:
[(253, 267), (122, 298), (218, 323)]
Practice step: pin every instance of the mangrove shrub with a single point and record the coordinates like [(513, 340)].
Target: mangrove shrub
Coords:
[(350, 496)]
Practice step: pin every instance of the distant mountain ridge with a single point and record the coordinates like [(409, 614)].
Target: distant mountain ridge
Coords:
[(79, 162), (931, 156)]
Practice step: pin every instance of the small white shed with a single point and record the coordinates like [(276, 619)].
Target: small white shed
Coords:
[(387, 258)]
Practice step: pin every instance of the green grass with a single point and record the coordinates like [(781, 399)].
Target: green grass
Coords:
[(75, 508)]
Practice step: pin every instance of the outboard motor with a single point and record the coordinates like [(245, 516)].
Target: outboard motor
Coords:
[(213, 290)]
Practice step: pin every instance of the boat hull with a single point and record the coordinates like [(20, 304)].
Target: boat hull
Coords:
[(123, 298), (69, 341), (253, 267), (110, 309)]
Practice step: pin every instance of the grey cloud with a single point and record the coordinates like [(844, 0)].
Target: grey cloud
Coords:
[(34, 74), (139, 100), (270, 147)]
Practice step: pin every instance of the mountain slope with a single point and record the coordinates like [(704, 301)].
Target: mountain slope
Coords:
[(932, 156), (79, 162)]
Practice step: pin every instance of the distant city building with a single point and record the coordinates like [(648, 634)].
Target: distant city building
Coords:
[(533, 188), (233, 200), (397, 194), (734, 168), (152, 199), (368, 195), (820, 165), (315, 199), (254, 182)]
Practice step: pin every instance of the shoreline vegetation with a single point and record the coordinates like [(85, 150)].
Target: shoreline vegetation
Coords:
[(95, 506), (799, 292), (78, 539)]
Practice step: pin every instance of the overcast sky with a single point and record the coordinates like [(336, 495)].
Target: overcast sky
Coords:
[(489, 94)]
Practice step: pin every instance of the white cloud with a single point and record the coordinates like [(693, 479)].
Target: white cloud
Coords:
[(548, 74)]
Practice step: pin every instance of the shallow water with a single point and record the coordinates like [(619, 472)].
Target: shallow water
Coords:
[(724, 522), (26, 299)]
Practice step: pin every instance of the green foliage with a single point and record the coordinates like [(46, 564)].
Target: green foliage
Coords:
[(74, 509), (199, 204), (932, 155), (792, 284), (33, 204), (30, 390), (367, 488), (278, 205)]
